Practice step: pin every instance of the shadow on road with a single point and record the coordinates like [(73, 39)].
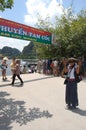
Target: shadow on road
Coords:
[(32, 80), (79, 111), (14, 111)]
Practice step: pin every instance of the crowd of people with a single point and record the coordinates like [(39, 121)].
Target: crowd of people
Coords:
[(48, 67), (56, 66), (72, 70), (67, 68)]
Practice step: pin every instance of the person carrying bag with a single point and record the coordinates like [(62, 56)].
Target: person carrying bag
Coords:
[(71, 94)]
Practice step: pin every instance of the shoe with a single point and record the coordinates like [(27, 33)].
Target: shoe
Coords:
[(5, 77), (69, 107), (21, 83), (11, 84), (74, 107)]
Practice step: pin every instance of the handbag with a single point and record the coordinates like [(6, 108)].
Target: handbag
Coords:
[(78, 77)]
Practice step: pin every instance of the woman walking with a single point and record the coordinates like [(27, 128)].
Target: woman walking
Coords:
[(16, 72)]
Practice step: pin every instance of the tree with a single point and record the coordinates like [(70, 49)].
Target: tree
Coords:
[(70, 32), (6, 4)]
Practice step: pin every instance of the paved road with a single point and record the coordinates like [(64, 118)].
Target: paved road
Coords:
[(40, 105)]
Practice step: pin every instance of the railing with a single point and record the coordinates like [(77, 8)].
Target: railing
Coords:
[(30, 61)]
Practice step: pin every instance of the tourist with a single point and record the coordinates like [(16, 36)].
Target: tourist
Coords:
[(56, 67), (3, 68), (39, 66), (24, 71), (71, 96), (12, 65), (17, 72)]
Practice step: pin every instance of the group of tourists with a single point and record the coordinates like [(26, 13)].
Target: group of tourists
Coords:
[(15, 69), (56, 66), (71, 69)]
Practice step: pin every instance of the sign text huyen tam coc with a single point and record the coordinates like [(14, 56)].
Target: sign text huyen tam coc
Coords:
[(20, 31)]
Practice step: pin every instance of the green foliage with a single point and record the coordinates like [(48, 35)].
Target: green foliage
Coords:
[(6, 4), (70, 32), (44, 24)]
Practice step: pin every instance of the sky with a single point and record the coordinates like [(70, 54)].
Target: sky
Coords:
[(26, 11)]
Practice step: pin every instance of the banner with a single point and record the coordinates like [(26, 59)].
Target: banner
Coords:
[(16, 30)]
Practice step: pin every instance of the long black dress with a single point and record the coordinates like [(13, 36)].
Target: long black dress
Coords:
[(71, 95)]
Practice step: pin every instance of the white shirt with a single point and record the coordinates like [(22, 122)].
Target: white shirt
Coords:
[(71, 71)]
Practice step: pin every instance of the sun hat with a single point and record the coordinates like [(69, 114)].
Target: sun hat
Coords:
[(5, 58), (72, 59)]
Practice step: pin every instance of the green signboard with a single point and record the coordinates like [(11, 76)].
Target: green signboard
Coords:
[(16, 30)]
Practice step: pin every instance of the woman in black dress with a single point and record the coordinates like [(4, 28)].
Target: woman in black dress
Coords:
[(71, 95)]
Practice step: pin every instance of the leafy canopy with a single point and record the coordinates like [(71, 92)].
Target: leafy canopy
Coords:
[(70, 33), (6, 4)]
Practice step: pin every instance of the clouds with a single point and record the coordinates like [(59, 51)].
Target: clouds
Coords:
[(44, 8), (29, 9)]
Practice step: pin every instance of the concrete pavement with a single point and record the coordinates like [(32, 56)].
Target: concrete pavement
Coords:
[(40, 104)]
